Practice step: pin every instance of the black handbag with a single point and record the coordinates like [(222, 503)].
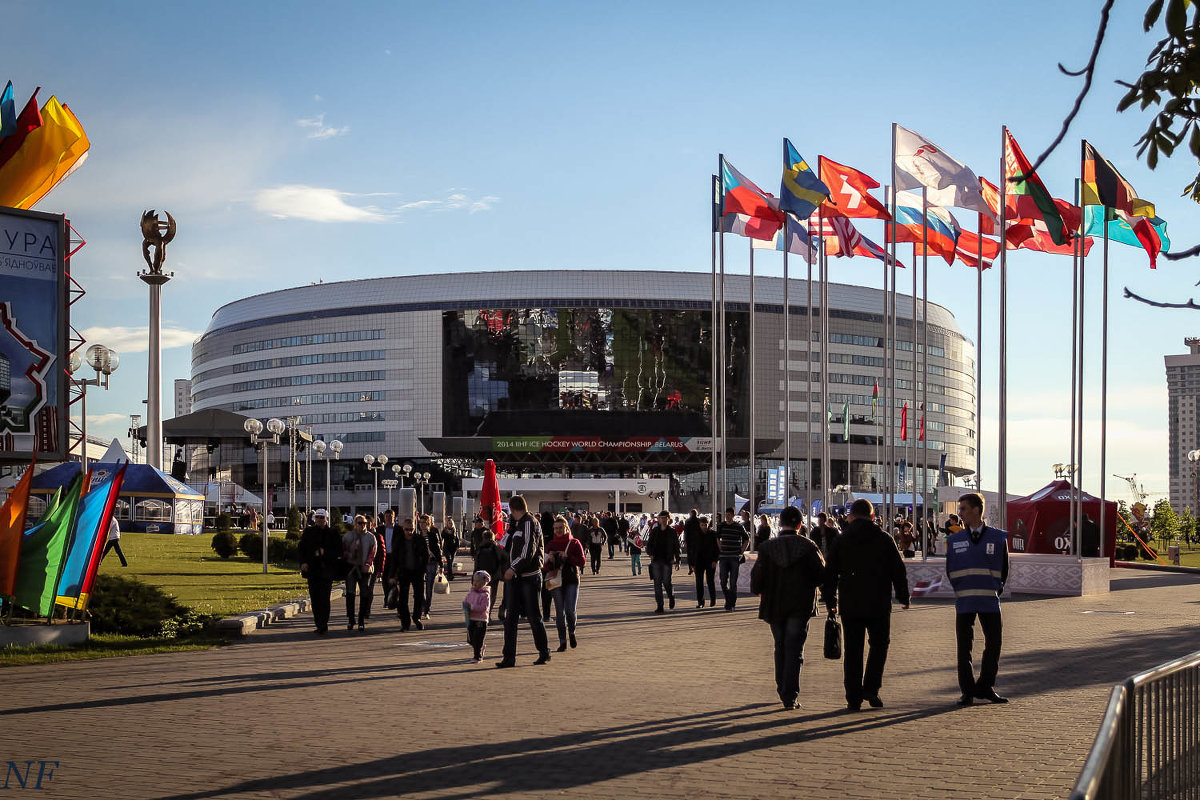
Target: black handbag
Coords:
[(391, 598), (833, 638)]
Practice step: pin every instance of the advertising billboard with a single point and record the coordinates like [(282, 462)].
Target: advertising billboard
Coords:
[(33, 335)]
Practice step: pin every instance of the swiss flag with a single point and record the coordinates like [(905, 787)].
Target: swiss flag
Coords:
[(849, 192)]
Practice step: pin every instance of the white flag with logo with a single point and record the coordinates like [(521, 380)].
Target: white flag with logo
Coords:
[(948, 181)]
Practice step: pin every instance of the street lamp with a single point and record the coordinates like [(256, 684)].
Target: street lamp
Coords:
[(420, 480), (375, 465), (105, 363), (407, 474), (389, 484), (254, 427), (335, 451)]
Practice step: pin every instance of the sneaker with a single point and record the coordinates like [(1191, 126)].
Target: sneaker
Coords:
[(505, 664), (362, 626), (425, 615), (874, 701), (562, 647), (700, 604), (417, 624)]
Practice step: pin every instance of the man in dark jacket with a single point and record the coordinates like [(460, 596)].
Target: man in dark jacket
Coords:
[(320, 551), (733, 539), (663, 547), (608, 524), (786, 575), (523, 582), (691, 535), (410, 559), (864, 570), (703, 555)]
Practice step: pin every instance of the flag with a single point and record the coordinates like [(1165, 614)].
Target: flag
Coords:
[(923, 588), (921, 436), (1150, 234), (8, 112), (863, 246), (53, 148), (1030, 198), (72, 160), (87, 536), (42, 552), (739, 195), (904, 423), (1032, 235), (849, 192), (949, 181), (800, 243), (12, 528), (940, 231), (89, 578), (30, 119), (1104, 186), (874, 399), (849, 239), (966, 249), (752, 228), (800, 190), (846, 421)]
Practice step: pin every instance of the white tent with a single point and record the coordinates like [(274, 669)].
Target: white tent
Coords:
[(225, 493)]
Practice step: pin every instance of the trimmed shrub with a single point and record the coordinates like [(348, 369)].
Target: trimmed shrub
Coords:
[(283, 551), (292, 536), (225, 543), (295, 519), (133, 608), (250, 545), (224, 522)]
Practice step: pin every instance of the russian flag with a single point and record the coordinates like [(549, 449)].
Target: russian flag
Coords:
[(940, 232)]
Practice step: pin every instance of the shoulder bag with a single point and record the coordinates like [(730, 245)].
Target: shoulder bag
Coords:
[(833, 638)]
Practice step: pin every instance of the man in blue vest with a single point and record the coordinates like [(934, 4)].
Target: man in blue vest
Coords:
[(977, 565)]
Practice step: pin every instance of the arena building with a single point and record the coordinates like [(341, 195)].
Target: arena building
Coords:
[(567, 373)]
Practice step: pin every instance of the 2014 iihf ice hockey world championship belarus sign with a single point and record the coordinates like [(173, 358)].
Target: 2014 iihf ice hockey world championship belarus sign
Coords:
[(33, 335)]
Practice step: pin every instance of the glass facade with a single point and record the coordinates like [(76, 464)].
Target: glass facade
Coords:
[(653, 363)]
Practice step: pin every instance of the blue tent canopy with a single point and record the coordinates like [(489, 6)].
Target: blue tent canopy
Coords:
[(151, 501)]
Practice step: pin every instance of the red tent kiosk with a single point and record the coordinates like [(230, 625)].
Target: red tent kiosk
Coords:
[(1040, 522)]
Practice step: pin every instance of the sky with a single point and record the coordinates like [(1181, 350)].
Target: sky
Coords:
[(311, 142)]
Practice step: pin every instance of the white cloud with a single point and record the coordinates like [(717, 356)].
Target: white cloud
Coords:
[(315, 204), (136, 340), (455, 201), (105, 419), (319, 129), (318, 98)]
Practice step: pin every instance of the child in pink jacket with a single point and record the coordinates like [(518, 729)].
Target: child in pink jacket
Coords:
[(476, 606)]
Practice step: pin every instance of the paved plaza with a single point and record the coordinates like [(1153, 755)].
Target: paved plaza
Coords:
[(677, 706)]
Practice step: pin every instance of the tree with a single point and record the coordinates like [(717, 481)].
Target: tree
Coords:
[(1187, 525), (1123, 534), (1165, 523)]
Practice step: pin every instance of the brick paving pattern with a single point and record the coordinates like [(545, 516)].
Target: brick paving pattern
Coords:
[(674, 706)]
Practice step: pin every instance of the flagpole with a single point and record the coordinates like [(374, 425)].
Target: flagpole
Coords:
[(979, 351), (924, 439), (808, 471), (1077, 243), (787, 367), (1001, 517), (753, 478), (723, 364), (823, 299), (1082, 353), (712, 345), (924, 265), (880, 437), (889, 354), (1103, 389)]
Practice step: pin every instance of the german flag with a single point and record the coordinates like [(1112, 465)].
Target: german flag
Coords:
[(1104, 186)]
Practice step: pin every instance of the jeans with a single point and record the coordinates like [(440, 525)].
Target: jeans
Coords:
[(729, 580), (790, 636), (704, 571), (595, 551), (374, 579), (410, 582), (318, 591), (476, 630), (523, 593), (612, 545), (431, 572), (546, 598), (660, 573), (359, 582), (878, 631), (114, 544), (964, 629), (566, 598), (635, 563)]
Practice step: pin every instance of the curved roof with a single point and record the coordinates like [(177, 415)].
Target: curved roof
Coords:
[(485, 289)]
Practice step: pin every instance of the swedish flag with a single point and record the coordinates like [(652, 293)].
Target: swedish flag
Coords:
[(800, 191)]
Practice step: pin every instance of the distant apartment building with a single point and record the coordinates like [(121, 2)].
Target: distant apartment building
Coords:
[(1183, 408), (183, 397)]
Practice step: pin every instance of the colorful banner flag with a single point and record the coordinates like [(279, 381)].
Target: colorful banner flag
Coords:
[(89, 579), (904, 423), (42, 552), (741, 196), (87, 536), (1030, 198), (864, 247), (1104, 186), (874, 399), (751, 227), (800, 190), (849, 192), (799, 241), (53, 148), (940, 232), (921, 436), (948, 181), (1149, 234), (8, 112), (29, 120), (12, 529)]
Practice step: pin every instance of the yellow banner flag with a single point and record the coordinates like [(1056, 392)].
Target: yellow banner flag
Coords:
[(49, 151)]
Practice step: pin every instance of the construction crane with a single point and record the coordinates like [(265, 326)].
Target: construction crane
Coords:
[(1139, 493)]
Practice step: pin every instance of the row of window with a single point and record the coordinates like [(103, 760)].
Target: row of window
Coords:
[(311, 358), (291, 380), (313, 338), (344, 416), (309, 399)]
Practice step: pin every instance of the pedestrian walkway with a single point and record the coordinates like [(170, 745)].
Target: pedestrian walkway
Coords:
[(678, 706)]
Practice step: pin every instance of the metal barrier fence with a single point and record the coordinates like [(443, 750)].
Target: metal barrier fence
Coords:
[(1148, 746)]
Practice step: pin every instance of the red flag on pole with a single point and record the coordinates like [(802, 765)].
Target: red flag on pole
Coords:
[(12, 528), (921, 436), (489, 501), (904, 423)]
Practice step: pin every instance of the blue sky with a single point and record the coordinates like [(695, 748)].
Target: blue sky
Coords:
[(303, 142)]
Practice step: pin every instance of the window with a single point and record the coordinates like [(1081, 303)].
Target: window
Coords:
[(316, 338), (152, 511)]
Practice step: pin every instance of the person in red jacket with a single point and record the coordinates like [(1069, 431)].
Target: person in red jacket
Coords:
[(564, 556)]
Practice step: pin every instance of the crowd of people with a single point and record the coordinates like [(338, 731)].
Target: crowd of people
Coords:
[(850, 560)]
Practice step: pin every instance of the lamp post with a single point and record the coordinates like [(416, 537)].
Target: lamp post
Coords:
[(407, 469), (389, 484), (254, 428), (376, 465), (308, 471), (105, 363), (420, 480), (335, 450)]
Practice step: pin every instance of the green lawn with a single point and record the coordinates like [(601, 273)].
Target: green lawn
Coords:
[(103, 645), (187, 567)]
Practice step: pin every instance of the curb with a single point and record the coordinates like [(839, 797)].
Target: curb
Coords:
[(242, 625), (1159, 567)]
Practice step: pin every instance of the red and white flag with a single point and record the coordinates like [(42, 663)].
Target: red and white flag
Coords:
[(925, 588)]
